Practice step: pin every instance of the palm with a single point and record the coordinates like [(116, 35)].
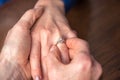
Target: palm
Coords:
[(18, 41)]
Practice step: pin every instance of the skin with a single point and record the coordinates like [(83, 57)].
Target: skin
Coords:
[(81, 67), (46, 32), (54, 27), (34, 48), (17, 47)]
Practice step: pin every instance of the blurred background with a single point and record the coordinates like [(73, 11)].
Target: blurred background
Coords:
[(97, 21)]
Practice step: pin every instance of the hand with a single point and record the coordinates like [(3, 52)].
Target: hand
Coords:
[(16, 49), (48, 29), (81, 67)]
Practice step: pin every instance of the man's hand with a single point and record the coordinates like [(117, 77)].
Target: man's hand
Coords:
[(81, 67), (46, 32), (16, 49)]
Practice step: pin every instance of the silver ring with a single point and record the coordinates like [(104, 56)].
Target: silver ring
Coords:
[(61, 40)]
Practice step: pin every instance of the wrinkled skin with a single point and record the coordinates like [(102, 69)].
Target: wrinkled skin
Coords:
[(17, 44), (46, 32), (36, 40), (81, 67)]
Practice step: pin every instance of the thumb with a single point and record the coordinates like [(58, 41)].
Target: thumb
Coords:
[(53, 59), (28, 19), (77, 46)]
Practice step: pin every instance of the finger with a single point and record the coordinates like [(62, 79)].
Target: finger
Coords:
[(64, 52), (29, 18), (52, 61), (56, 52), (71, 34), (53, 58), (68, 32), (97, 69), (76, 43), (52, 55), (77, 46), (82, 62), (38, 4), (35, 60)]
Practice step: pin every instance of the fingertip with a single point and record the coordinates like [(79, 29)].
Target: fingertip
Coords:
[(71, 42), (35, 59), (37, 78), (36, 73), (53, 48), (76, 43), (39, 11), (55, 53), (64, 53), (72, 34), (37, 4), (29, 18)]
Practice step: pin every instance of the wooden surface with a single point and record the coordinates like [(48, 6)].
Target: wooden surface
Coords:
[(97, 21)]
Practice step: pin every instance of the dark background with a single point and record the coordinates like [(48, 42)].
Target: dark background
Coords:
[(97, 21)]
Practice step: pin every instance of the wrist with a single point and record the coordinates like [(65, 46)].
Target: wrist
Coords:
[(52, 4), (13, 71), (23, 68)]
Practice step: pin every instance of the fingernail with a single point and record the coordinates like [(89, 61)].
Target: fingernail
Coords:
[(38, 7), (37, 78), (52, 48)]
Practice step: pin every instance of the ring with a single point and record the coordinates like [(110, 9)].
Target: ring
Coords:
[(61, 40)]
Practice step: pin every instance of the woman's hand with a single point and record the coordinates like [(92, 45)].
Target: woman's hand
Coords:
[(81, 67), (52, 26), (16, 49)]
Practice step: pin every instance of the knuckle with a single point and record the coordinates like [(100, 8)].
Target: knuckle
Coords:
[(99, 69), (71, 34), (45, 59), (35, 57), (85, 64), (35, 35), (35, 70), (45, 32), (74, 32), (9, 31), (54, 71), (50, 56), (30, 11), (15, 29), (22, 25), (83, 42)]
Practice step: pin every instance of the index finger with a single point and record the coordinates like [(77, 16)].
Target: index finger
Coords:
[(29, 18), (77, 46)]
